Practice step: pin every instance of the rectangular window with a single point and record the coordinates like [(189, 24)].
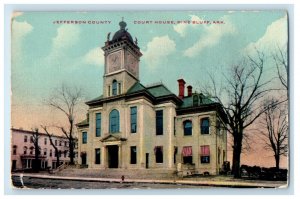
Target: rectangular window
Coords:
[(31, 139), (114, 87), (25, 138), (66, 143), (119, 88), (133, 155), (108, 92), (205, 154), (187, 155), (205, 126), (50, 153), (159, 122), (55, 142), (174, 126), (218, 127), (133, 119), (187, 127), (98, 124), (45, 141), (60, 143), (175, 153), (97, 156), (84, 137), (14, 150), (159, 156)]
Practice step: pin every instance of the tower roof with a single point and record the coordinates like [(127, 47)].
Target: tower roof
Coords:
[(122, 34)]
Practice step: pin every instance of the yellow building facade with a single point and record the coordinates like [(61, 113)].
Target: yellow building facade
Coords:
[(132, 126)]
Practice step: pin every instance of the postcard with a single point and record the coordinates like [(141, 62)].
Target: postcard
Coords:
[(149, 99)]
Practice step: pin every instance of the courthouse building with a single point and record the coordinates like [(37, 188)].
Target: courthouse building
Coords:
[(23, 151), (132, 126)]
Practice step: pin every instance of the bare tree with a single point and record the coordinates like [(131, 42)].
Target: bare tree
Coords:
[(66, 100), (276, 124), (56, 151), (35, 140), (280, 58), (244, 89)]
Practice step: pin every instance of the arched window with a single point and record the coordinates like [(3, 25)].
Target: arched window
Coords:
[(114, 121), (187, 125), (45, 151), (114, 87)]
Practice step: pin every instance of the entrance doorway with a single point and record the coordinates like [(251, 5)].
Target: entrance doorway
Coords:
[(83, 159), (113, 156)]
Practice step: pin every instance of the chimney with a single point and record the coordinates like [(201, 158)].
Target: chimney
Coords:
[(181, 84), (190, 91)]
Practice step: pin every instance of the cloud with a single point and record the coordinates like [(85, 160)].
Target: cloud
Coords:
[(94, 57), (19, 31), (67, 36), (158, 49), (212, 35), (276, 35), (182, 28)]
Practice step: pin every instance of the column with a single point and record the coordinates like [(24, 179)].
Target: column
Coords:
[(119, 157), (140, 120), (104, 156)]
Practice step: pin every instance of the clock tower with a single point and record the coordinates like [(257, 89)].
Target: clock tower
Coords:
[(122, 56)]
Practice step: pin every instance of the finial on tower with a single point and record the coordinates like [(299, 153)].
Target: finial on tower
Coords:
[(122, 24)]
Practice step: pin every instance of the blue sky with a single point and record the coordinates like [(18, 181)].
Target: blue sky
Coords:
[(45, 55), (50, 53)]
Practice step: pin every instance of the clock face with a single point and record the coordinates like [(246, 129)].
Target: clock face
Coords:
[(132, 64), (114, 62)]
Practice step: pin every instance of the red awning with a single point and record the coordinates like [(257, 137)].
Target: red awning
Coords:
[(187, 151), (204, 150)]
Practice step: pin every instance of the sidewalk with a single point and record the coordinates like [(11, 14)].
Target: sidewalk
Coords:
[(217, 182)]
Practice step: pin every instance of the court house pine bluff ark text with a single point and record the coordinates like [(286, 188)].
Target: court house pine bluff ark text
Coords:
[(132, 126)]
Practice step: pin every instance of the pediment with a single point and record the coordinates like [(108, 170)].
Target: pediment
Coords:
[(112, 138)]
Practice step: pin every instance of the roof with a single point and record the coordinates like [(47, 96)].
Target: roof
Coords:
[(83, 123), (40, 133), (96, 99), (136, 88), (122, 33), (159, 90), (202, 100), (155, 91)]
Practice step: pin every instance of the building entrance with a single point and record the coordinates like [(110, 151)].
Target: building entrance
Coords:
[(113, 156)]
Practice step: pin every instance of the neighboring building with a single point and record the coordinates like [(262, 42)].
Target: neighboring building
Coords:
[(23, 153), (132, 126)]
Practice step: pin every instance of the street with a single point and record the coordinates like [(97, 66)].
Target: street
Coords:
[(37, 183)]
